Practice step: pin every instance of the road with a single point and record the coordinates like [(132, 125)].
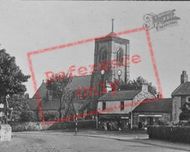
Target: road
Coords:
[(68, 142)]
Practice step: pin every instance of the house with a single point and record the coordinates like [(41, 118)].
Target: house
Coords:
[(180, 96), (118, 106), (154, 111)]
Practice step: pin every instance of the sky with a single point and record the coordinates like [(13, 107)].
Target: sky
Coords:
[(32, 25)]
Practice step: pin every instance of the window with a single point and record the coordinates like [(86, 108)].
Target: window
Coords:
[(120, 57), (188, 100), (102, 54), (122, 105), (103, 105)]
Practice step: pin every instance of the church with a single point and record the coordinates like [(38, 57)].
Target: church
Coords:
[(111, 56)]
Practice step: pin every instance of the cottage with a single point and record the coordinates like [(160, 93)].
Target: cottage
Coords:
[(117, 107)]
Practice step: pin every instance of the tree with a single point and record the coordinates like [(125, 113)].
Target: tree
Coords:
[(185, 114), (58, 85), (137, 84), (21, 110), (11, 78)]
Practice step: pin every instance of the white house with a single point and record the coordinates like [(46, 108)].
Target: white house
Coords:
[(119, 105)]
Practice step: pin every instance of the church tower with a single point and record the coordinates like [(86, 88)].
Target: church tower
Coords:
[(111, 57)]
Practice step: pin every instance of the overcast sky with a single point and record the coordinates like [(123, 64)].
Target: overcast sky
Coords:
[(33, 25)]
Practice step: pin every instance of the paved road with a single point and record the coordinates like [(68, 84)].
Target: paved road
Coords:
[(68, 142)]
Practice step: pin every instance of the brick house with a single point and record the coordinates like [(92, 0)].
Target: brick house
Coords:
[(180, 96)]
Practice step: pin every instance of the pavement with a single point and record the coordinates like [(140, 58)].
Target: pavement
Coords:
[(88, 141), (138, 136)]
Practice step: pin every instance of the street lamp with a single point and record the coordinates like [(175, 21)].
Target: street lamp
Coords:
[(119, 72), (76, 123), (132, 115)]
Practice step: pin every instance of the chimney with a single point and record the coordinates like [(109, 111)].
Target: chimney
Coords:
[(184, 77), (144, 87)]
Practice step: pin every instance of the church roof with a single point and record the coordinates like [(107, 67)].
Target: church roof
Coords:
[(119, 95), (113, 36), (42, 90), (155, 105), (32, 104), (80, 81), (182, 89), (77, 81), (79, 104)]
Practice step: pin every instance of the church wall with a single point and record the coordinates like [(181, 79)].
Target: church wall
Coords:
[(176, 105)]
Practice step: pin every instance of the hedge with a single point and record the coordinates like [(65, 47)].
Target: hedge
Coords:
[(28, 126), (170, 133), (37, 126)]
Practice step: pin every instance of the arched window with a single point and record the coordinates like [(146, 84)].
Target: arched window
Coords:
[(104, 56), (120, 56)]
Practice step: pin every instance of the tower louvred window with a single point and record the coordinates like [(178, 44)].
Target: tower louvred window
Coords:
[(120, 56), (104, 56)]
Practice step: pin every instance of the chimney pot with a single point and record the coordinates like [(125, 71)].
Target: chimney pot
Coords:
[(184, 77)]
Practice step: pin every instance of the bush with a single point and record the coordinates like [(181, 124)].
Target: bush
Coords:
[(27, 116), (26, 126), (171, 133)]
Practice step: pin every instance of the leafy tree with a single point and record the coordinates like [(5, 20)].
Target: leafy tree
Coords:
[(58, 85), (137, 84), (185, 114), (21, 110), (11, 77)]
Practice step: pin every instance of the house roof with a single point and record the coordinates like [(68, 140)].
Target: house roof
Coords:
[(155, 105), (182, 89), (119, 95)]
